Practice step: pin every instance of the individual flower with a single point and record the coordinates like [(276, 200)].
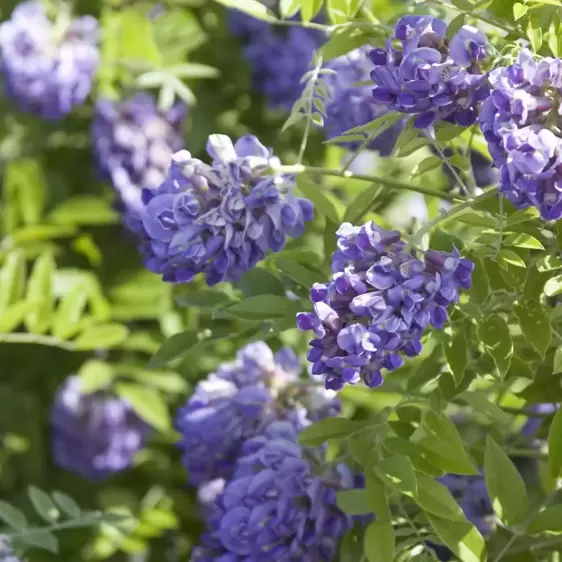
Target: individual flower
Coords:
[(521, 123), (276, 507), (420, 72), (133, 144), (6, 552), (472, 496), (94, 435), (377, 305), (219, 219), (350, 106), (234, 403), (48, 66)]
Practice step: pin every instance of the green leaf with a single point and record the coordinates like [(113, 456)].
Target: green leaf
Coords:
[(67, 504), (95, 375), (297, 272), (315, 193), (457, 355), (523, 241), (309, 8), (534, 33), (439, 436), (12, 280), (84, 210), (426, 165), (205, 298), (70, 311), (505, 485), (136, 37), (12, 516), (494, 334), (102, 336), (329, 428), (147, 403), (258, 281), (548, 519), (462, 538), (288, 8), (555, 445), (379, 543), (511, 258), (535, 325), (362, 203), (557, 368), (40, 291), (433, 497), (549, 263), (480, 290), (553, 286), (41, 539), (398, 473), (378, 499), (447, 131), (519, 10), (43, 504), (460, 162), (263, 307), (480, 403), (456, 23), (354, 502), (26, 178)]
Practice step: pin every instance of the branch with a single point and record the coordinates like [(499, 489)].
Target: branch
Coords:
[(37, 339), (388, 182)]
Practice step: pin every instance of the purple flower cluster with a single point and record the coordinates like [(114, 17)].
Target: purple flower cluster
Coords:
[(378, 304), (532, 425), (472, 495), (237, 401), (219, 219), (422, 73), (350, 106), (133, 144), (275, 507), (94, 435), (521, 122), (48, 67), (278, 58)]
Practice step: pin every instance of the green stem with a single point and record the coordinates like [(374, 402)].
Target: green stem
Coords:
[(37, 339), (388, 182), (526, 453), (504, 550), (310, 109), (453, 212)]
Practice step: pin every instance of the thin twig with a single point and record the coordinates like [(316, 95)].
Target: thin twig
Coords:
[(38, 339)]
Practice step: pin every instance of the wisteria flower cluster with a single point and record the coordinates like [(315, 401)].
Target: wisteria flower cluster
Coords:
[(255, 482), (521, 122), (422, 73), (48, 67), (6, 552), (219, 219), (275, 507), (350, 106), (378, 304), (133, 144), (94, 435), (278, 58), (240, 399)]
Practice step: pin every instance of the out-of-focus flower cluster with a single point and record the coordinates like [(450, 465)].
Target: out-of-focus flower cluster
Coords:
[(472, 496), (133, 144), (219, 219), (521, 122), (48, 67), (94, 435), (420, 72), (275, 508), (278, 58), (350, 105), (378, 304), (258, 488), (240, 399)]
